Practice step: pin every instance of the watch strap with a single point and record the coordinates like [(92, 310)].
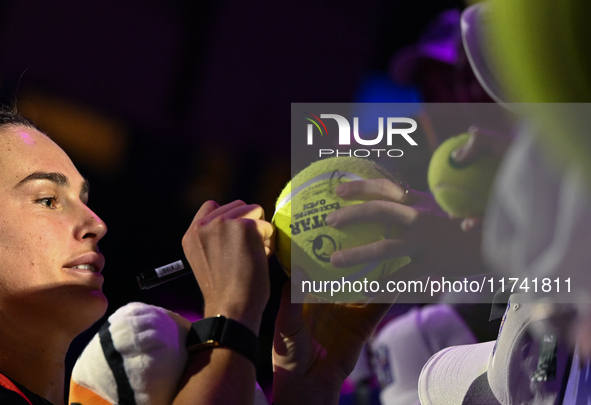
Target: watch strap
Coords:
[(219, 331)]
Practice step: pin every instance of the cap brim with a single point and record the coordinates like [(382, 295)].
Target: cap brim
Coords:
[(473, 26), (455, 373)]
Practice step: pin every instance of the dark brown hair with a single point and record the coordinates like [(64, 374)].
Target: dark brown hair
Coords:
[(9, 116)]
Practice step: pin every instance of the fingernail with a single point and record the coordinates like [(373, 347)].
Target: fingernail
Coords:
[(331, 219), (459, 154), (341, 189), (467, 224), (336, 259)]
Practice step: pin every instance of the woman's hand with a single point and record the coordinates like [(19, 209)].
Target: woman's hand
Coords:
[(227, 248)]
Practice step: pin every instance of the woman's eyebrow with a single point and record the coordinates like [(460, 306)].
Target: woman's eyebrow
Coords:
[(57, 178)]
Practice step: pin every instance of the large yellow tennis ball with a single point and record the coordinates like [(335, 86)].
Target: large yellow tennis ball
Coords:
[(461, 190), (306, 241), (541, 50)]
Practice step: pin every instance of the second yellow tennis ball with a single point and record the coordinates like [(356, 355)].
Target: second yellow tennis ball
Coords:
[(461, 190)]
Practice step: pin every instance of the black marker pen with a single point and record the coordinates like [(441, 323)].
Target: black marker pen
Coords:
[(161, 275)]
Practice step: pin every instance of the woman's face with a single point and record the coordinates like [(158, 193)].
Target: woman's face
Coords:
[(50, 265)]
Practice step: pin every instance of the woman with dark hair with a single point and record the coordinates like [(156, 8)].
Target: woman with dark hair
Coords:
[(51, 289)]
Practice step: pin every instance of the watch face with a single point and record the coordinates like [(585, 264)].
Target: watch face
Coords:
[(206, 333)]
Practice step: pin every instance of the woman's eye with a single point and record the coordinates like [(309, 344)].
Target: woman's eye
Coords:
[(49, 202)]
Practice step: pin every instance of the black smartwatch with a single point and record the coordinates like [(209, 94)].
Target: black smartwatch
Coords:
[(219, 331)]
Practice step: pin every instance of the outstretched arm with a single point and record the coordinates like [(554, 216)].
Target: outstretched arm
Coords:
[(316, 347)]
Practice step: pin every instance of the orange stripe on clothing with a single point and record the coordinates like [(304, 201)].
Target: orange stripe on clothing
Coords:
[(85, 396)]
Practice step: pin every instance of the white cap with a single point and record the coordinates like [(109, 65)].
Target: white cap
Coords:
[(518, 368), (449, 375), (401, 349)]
